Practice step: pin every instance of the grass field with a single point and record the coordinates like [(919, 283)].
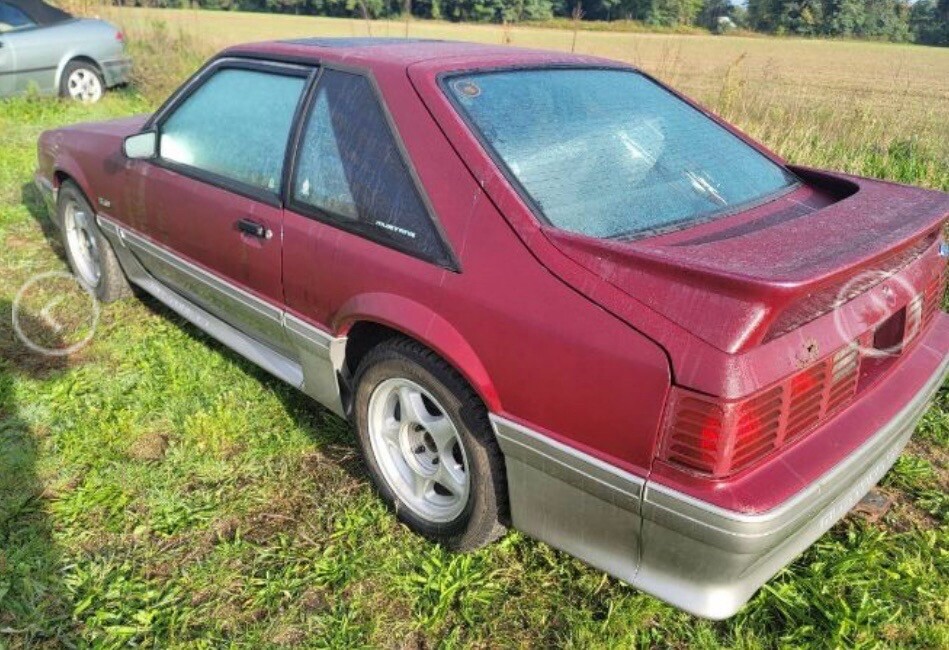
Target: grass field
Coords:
[(157, 490)]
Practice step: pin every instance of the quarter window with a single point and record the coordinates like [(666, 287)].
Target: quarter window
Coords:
[(236, 126), (352, 172), (12, 18)]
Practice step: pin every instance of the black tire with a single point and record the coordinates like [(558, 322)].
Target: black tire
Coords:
[(481, 520), (81, 66), (111, 284)]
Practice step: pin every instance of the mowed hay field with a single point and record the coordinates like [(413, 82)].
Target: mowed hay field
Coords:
[(157, 490), (878, 109)]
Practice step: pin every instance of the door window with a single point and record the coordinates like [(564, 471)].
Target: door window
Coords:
[(352, 173), (12, 18), (235, 126)]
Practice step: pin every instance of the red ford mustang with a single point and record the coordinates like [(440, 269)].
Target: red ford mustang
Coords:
[(549, 292)]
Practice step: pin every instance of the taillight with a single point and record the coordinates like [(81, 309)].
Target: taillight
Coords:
[(718, 438), (721, 437), (932, 297), (120, 37)]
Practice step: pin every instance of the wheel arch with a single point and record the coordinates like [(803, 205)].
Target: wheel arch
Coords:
[(371, 319), (68, 171), (80, 57)]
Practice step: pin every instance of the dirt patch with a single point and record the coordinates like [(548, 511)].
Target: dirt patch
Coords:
[(905, 515), (414, 641), (288, 637), (149, 447), (200, 597), (60, 490), (224, 530), (314, 599), (159, 570)]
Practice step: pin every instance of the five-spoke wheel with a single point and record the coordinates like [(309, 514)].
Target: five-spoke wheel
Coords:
[(418, 449), (428, 444), (89, 253), (81, 241)]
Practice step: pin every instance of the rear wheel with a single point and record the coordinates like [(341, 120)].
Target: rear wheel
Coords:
[(427, 442), (89, 253), (82, 82)]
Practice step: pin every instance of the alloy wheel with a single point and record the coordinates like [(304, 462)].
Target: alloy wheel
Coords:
[(419, 450), (84, 85), (82, 243)]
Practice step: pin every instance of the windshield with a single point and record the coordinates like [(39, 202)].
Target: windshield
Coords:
[(610, 153)]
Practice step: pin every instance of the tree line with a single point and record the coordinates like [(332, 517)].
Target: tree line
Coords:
[(922, 21)]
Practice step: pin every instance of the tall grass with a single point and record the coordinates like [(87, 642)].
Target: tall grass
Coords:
[(865, 114), (845, 136), (164, 55)]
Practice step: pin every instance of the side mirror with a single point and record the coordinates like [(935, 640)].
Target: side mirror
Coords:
[(141, 146)]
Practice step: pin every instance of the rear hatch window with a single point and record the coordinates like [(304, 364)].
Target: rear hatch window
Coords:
[(610, 153)]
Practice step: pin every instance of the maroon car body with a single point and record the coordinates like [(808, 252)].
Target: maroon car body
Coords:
[(686, 411)]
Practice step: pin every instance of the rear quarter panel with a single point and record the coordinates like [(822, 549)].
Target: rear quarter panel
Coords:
[(537, 351), (43, 53)]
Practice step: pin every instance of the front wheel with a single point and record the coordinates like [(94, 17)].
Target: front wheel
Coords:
[(89, 253), (427, 442)]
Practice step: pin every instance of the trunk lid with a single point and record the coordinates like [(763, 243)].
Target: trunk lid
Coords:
[(777, 266)]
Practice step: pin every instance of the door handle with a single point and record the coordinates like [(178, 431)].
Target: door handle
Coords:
[(254, 229)]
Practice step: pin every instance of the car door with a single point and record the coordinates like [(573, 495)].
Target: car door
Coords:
[(12, 20), (7, 66), (212, 209)]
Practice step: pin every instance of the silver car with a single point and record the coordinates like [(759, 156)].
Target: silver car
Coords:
[(45, 48)]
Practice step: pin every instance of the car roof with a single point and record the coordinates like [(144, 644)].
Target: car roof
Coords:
[(401, 53)]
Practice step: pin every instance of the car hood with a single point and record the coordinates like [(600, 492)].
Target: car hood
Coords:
[(776, 265), (122, 127)]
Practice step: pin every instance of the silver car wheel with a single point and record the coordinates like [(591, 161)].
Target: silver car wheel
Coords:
[(418, 449), (84, 85), (82, 243)]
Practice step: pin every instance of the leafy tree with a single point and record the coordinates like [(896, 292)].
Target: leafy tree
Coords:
[(845, 17), (674, 12), (764, 15), (929, 22), (712, 10), (801, 17)]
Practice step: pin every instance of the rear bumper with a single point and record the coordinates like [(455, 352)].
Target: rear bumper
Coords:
[(699, 557), (117, 71)]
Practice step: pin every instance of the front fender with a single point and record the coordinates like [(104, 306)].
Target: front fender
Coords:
[(66, 167), (419, 322)]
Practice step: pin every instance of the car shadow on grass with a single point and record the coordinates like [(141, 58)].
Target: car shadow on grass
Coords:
[(32, 200), (334, 436), (35, 607)]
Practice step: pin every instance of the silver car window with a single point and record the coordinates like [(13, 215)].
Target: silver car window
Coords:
[(12, 19), (236, 125)]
